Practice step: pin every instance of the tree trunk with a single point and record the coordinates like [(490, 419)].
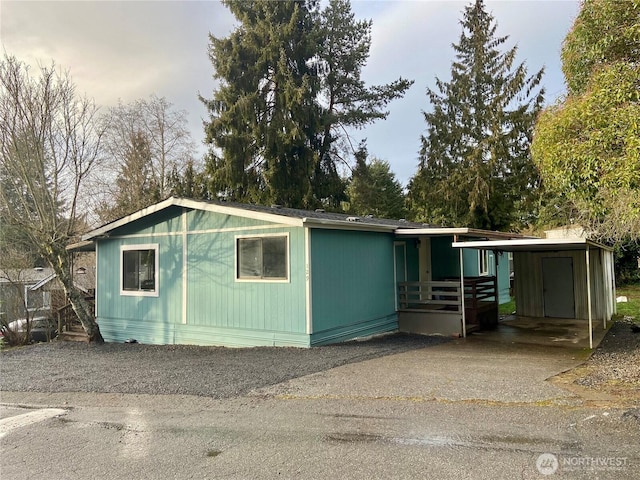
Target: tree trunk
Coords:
[(85, 315), (76, 297)]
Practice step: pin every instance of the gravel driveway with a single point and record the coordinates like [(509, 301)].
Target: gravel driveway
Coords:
[(216, 372)]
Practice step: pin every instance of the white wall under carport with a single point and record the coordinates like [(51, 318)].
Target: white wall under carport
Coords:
[(592, 274)]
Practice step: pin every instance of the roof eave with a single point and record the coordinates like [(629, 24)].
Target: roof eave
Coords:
[(195, 205), (83, 246), (347, 225), (530, 244), (105, 229), (440, 231), (274, 217)]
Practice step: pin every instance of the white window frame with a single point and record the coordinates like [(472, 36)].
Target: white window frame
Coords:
[(236, 269), (483, 254), (140, 293)]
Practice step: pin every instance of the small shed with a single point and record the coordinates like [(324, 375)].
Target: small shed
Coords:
[(561, 278)]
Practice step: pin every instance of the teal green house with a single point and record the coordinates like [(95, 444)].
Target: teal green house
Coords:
[(218, 273)]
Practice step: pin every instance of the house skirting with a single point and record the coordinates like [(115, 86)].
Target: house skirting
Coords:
[(428, 323), (118, 331), (388, 323)]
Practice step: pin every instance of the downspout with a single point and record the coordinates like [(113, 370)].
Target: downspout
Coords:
[(464, 316), (603, 266), (307, 283), (185, 273), (589, 298)]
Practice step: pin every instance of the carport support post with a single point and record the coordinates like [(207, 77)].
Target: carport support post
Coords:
[(589, 297), (464, 317)]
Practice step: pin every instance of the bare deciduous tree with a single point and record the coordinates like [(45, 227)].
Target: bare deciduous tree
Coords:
[(49, 144), (146, 141)]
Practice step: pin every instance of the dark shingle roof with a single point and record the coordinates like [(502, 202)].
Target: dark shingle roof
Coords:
[(321, 215)]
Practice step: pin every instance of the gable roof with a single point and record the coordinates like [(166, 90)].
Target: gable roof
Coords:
[(35, 279), (275, 214), (27, 275), (294, 217)]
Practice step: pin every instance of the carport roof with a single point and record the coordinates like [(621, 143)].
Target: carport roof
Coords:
[(533, 244), (464, 231)]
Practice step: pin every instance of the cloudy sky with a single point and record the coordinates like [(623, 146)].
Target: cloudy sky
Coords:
[(125, 50)]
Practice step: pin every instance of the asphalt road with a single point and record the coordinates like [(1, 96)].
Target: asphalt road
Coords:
[(460, 410)]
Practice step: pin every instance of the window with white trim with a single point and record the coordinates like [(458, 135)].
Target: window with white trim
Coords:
[(262, 257), (139, 270), (483, 257)]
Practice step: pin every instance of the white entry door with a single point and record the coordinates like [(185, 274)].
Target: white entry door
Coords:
[(557, 283)]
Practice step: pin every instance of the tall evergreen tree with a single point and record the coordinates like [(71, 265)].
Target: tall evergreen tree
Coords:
[(191, 183), (290, 89), (346, 101), (262, 114), (374, 190), (475, 166)]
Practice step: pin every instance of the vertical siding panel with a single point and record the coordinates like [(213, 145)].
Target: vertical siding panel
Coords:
[(529, 284), (580, 281), (215, 301), (352, 278), (445, 262)]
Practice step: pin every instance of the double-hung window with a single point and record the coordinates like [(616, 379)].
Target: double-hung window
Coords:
[(264, 257), (139, 270)]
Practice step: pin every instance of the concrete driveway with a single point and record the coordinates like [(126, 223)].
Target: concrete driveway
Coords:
[(468, 409), (463, 370)]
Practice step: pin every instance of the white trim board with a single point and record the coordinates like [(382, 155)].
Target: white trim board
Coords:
[(195, 205), (530, 244)]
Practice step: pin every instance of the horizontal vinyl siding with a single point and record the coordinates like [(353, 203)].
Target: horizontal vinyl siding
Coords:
[(352, 283), (238, 337)]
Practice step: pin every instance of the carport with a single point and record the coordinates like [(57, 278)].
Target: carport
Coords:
[(564, 278)]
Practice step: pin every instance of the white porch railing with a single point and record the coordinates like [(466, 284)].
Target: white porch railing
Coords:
[(434, 297), (436, 307)]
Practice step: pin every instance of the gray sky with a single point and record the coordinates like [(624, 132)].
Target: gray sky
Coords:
[(131, 49)]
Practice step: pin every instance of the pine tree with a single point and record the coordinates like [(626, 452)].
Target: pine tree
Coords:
[(191, 183), (263, 113), (346, 101), (475, 166), (145, 141), (290, 89), (374, 190)]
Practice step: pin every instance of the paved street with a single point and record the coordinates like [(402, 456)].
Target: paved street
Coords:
[(459, 410)]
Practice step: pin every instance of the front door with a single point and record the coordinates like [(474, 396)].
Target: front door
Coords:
[(557, 284)]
